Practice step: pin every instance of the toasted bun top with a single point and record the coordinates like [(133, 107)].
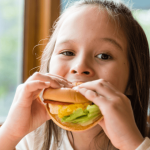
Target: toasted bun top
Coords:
[(64, 95)]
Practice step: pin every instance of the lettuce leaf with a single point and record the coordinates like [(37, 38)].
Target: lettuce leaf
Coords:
[(83, 117)]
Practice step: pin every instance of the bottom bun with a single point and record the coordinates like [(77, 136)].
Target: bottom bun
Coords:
[(71, 126)]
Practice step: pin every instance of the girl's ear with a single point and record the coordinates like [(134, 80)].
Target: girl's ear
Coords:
[(129, 91)]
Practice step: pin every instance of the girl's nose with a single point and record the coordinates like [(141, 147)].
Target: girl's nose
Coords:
[(81, 68)]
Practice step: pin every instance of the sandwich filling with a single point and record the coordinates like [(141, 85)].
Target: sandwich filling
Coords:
[(83, 113)]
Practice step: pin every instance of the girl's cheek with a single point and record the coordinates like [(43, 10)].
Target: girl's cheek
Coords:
[(58, 67)]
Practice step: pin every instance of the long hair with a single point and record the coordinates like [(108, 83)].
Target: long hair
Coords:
[(138, 56)]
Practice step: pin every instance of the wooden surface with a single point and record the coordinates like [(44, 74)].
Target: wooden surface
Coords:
[(39, 18)]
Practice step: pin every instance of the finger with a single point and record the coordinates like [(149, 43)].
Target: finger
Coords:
[(29, 90), (21, 87), (102, 124), (36, 94), (100, 87), (50, 78), (34, 85), (58, 77), (96, 98), (43, 104), (62, 82), (39, 111), (103, 102)]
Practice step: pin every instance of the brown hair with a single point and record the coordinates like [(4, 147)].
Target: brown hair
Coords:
[(138, 56)]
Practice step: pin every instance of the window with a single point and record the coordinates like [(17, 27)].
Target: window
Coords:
[(23, 24), (11, 48), (143, 17)]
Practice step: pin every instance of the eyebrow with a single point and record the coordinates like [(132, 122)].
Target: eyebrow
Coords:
[(67, 41), (113, 42)]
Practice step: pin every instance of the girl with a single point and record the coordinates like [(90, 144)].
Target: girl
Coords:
[(100, 44)]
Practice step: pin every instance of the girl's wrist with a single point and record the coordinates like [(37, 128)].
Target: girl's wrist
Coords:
[(6, 141), (5, 132)]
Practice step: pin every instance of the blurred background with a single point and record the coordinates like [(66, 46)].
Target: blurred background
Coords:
[(25, 24)]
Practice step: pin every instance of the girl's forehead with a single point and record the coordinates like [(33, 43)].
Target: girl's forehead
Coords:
[(90, 23), (86, 16)]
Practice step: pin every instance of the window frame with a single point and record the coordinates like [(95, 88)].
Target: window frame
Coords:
[(38, 20)]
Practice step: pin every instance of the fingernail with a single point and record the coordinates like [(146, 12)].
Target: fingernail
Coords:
[(76, 88), (47, 83)]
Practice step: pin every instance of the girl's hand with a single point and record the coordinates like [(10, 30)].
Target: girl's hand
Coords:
[(118, 123), (27, 111)]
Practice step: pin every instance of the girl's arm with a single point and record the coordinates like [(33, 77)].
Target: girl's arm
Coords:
[(6, 141), (27, 112)]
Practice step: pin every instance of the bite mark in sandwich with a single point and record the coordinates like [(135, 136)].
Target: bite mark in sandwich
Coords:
[(71, 110)]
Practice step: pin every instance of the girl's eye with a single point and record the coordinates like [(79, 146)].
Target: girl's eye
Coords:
[(104, 56), (67, 53)]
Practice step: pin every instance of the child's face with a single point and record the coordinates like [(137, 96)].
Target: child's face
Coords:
[(90, 47)]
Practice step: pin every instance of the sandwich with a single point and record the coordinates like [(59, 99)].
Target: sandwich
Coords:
[(70, 110)]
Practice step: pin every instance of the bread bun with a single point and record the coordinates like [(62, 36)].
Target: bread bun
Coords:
[(67, 95), (64, 95)]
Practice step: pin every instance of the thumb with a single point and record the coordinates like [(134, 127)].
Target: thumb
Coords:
[(47, 115), (102, 124)]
